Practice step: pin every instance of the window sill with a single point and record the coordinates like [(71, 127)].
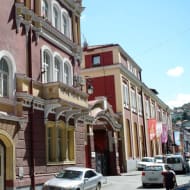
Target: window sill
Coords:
[(61, 163)]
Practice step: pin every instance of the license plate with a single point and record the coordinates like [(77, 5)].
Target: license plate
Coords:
[(152, 179)]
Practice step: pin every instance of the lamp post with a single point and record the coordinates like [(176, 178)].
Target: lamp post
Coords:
[(90, 88)]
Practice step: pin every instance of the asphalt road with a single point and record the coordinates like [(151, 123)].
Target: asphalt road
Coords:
[(132, 181)]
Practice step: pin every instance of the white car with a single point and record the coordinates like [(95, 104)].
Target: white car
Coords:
[(160, 158), (154, 174), (145, 161), (75, 178), (177, 163)]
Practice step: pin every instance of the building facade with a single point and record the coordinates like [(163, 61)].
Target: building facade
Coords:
[(115, 75), (43, 111)]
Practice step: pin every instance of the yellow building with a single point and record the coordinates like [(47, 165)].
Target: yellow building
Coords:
[(115, 75)]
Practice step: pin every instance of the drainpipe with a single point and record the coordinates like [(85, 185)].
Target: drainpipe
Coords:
[(144, 122), (31, 111)]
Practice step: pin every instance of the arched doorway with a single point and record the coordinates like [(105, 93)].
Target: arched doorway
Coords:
[(7, 161), (102, 150), (2, 165)]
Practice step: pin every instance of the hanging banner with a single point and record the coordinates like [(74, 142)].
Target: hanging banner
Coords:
[(152, 128), (158, 129), (177, 138), (164, 135)]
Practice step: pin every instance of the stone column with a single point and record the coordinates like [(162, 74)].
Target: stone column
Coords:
[(92, 148), (116, 152), (28, 4), (37, 7)]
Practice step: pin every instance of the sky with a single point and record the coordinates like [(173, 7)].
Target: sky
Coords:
[(156, 35)]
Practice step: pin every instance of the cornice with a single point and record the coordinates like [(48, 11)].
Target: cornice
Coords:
[(134, 80), (73, 6), (43, 28)]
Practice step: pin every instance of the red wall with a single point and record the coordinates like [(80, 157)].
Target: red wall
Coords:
[(100, 141), (106, 58), (104, 86)]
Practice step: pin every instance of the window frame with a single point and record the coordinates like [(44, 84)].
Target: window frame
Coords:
[(56, 142), (12, 70), (67, 76), (45, 9), (94, 61), (4, 77), (46, 67), (57, 73), (126, 95)]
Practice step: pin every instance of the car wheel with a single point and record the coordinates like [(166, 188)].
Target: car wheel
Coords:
[(144, 185), (98, 187)]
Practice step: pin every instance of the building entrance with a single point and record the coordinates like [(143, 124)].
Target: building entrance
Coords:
[(1, 167)]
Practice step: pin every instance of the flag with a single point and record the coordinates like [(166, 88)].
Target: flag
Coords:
[(158, 129), (152, 128), (177, 137), (164, 135)]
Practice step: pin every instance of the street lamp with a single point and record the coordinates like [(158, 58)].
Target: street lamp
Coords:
[(90, 89)]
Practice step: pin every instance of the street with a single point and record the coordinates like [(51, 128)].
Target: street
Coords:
[(132, 181)]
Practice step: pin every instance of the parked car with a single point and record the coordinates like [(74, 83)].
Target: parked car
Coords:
[(160, 158), (177, 163), (75, 178), (145, 161), (154, 174)]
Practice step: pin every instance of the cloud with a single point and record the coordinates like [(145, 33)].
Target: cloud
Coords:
[(179, 101), (175, 72)]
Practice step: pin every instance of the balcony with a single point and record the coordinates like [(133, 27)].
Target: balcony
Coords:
[(66, 95)]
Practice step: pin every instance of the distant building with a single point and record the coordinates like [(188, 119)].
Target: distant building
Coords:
[(115, 75), (42, 107)]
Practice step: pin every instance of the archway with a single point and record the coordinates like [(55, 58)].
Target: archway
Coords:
[(7, 159), (103, 138)]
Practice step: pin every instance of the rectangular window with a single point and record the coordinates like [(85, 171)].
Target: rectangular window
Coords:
[(96, 60), (133, 100), (51, 154), (159, 115), (153, 115), (60, 142), (147, 109), (71, 143), (139, 103), (125, 95)]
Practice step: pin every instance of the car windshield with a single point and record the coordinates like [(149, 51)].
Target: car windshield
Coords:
[(153, 168), (173, 160), (69, 174), (147, 160)]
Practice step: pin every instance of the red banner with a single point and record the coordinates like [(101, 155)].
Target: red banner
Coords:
[(152, 128)]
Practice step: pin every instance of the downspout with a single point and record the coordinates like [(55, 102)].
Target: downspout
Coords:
[(144, 123), (31, 111)]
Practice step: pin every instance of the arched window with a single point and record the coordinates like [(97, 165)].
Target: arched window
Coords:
[(66, 73), (57, 69), (4, 77), (65, 25), (55, 17), (45, 9), (46, 67)]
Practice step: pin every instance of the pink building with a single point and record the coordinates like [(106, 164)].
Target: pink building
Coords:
[(42, 106)]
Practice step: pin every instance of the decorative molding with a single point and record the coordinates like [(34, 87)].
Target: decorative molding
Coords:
[(42, 27)]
